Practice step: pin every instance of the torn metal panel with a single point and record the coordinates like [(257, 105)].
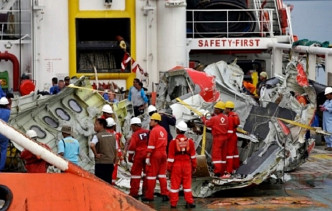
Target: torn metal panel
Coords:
[(270, 147), (277, 146)]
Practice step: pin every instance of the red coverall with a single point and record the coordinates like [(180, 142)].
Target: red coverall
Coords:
[(157, 148), (219, 126), (33, 164), (232, 157), (138, 148), (181, 162), (118, 148)]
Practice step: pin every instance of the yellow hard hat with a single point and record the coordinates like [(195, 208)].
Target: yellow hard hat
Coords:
[(156, 116), (229, 104), (220, 105)]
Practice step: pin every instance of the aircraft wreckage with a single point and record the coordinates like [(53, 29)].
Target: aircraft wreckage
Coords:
[(271, 140)]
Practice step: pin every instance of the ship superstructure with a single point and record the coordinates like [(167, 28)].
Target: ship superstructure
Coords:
[(43, 39)]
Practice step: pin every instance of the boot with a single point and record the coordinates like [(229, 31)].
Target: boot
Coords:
[(190, 205), (165, 198)]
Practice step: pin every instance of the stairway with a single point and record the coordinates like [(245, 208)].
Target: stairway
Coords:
[(261, 6)]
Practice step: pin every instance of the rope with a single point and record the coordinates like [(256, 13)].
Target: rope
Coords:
[(292, 122)]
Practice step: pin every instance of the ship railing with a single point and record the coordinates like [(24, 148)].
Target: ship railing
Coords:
[(230, 23), (14, 23), (289, 22)]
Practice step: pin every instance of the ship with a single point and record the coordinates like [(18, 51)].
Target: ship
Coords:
[(190, 54)]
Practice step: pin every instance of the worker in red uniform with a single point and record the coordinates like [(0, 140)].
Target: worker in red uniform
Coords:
[(111, 129), (181, 164), (137, 152), (219, 125), (156, 159), (107, 111), (33, 163), (232, 156)]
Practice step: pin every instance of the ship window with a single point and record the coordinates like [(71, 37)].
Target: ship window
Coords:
[(51, 122), (39, 131), (98, 44), (62, 114), (75, 106)]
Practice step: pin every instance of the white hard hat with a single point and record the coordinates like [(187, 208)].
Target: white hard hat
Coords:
[(135, 120), (110, 122), (4, 101), (107, 109), (151, 108), (31, 134), (328, 90), (182, 126)]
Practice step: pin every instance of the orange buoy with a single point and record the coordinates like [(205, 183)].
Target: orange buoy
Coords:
[(27, 86)]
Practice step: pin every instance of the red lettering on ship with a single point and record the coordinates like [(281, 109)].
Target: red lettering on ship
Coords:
[(203, 43)]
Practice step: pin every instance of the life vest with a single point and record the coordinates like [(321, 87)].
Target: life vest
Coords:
[(182, 145)]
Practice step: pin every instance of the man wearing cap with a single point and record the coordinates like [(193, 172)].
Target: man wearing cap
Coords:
[(4, 116), (219, 126), (111, 128), (326, 108), (103, 146), (137, 152), (156, 159), (67, 80), (181, 163), (68, 147), (107, 111), (261, 82), (232, 154), (33, 163)]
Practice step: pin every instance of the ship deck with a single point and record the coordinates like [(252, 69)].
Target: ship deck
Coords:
[(308, 188)]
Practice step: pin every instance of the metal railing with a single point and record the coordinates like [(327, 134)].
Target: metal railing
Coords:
[(230, 23), (14, 23)]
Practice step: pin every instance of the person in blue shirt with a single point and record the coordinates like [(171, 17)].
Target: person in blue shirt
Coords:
[(137, 97), (110, 96), (68, 147), (55, 88), (326, 108), (4, 115)]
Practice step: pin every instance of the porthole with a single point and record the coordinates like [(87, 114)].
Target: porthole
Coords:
[(62, 114), (75, 106), (51, 122), (40, 133)]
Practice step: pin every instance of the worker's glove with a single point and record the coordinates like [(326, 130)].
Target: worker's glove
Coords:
[(123, 164), (147, 161)]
